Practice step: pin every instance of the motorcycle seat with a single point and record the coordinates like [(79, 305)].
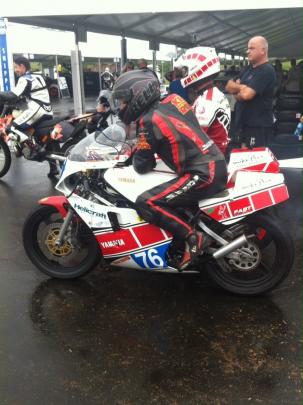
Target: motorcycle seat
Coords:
[(47, 123)]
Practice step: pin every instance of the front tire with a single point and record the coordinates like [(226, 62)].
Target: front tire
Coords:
[(273, 253), (5, 158), (78, 254)]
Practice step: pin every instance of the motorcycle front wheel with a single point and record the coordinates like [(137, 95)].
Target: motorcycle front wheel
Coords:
[(77, 255), (5, 158), (272, 256)]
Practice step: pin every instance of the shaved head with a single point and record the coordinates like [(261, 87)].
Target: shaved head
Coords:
[(257, 50), (261, 41)]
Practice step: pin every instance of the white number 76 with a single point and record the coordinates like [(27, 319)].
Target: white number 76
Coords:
[(151, 258)]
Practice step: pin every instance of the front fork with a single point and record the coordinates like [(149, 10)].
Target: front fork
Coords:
[(61, 204), (65, 225)]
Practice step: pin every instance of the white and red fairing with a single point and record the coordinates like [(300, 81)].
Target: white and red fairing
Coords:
[(254, 183)]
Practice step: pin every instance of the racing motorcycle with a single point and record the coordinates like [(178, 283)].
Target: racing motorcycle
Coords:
[(49, 140), (249, 252)]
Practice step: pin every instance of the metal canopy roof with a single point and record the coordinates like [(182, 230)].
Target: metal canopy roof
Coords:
[(228, 31)]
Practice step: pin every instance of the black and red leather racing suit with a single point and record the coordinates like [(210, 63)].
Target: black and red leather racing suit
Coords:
[(171, 130)]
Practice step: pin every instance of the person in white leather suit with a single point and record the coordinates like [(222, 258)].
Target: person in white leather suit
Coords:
[(209, 104)]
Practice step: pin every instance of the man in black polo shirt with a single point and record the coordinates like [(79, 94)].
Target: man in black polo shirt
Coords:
[(254, 89)]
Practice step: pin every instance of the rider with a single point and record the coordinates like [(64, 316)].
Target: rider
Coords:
[(209, 104), (170, 129), (99, 120), (107, 80), (34, 89)]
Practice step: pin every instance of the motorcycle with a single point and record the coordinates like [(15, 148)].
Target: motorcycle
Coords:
[(49, 140), (250, 251)]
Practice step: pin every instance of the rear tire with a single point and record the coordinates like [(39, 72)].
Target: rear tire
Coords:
[(274, 254), (78, 254), (5, 158)]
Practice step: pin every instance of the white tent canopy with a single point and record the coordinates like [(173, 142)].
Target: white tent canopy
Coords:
[(21, 8), (227, 26)]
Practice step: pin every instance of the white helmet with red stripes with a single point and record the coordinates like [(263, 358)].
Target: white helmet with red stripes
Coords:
[(201, 62)]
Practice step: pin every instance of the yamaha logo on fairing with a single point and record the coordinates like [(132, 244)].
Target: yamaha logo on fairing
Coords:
[(90, 212), (113, 243)]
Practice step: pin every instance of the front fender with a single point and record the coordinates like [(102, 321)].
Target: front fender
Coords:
[(59, 202)]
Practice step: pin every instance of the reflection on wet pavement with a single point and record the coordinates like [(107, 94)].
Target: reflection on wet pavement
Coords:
[(160, 338)]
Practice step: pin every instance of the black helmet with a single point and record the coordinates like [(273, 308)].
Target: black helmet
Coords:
[(139, 89)]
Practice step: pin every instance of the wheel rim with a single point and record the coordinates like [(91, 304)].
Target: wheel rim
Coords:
[(259, 271), (73, 252), (63, 250)]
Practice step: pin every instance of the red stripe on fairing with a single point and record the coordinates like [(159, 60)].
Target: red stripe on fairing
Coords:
[(280, 194), (168, 133), (240, 207), (187, 131), (209, 95), (261, 200), (260, 149), (167, 191), (124, 235), (148, 234)]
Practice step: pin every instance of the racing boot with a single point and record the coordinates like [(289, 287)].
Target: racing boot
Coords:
[(195, 243)]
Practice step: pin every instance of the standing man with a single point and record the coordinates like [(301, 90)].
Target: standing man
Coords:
[(254, 90), (107, 80), (142, 65)]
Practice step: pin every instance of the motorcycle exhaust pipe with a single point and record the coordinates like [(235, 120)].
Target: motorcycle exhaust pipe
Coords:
[(230, 247)]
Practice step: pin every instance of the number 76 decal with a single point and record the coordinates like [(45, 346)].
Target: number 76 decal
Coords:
[(152, 258)]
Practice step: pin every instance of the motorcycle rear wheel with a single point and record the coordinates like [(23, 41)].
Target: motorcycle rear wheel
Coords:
[(5, 158), (274, 255), (78, 254)]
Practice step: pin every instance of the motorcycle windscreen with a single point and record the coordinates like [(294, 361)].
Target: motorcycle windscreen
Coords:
[(105, 145)]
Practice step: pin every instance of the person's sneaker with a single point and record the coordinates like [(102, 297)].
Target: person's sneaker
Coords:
[(194, 245)]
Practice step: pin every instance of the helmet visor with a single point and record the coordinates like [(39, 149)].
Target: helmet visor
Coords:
[(118, 97)]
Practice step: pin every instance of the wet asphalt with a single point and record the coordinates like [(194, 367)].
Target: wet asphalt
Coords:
[(125, 337)]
